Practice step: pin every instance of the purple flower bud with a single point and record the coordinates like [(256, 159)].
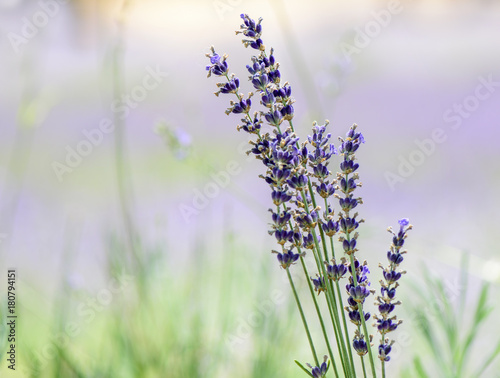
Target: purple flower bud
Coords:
[(348, 204), (319, 284), (268, 100), (392, 276), (349, 246), (391, 293), (352, 302), (308, 241), (355, 317), (321, 171), (319, 372), (405, 222), (335, 272), (297, 239), (287, 112), (298, 182), (360, 346), (287, 259), (383, 351), (386, 325), (348, 166), (260, 82), (214, 59), (325, 190), (280, 197), (256, 44), (306, 221), (282, 236), (274, 118), (242, 107), (330, 228), (396, 258), (386, 308), (275, 76), (359, 293), (348, 225)]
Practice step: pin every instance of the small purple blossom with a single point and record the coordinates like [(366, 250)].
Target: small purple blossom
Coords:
[(319, 284), (336, 271), (360, 346), (286, 259), (319, 371)]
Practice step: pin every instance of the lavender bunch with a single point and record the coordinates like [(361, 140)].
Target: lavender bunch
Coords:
[(302, 188)]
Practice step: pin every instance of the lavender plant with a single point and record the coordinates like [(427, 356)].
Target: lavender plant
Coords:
[(303, 192)]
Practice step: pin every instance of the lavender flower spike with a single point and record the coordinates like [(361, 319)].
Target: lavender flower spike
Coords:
[(387, 321)]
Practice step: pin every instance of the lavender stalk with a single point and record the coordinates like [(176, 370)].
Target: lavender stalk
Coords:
[(386, 321)]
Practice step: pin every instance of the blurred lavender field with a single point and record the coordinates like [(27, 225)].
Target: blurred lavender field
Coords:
[(422, 84)]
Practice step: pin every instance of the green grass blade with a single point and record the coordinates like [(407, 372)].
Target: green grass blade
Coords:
[(488, 361), (303, 368), (420, 368), (481, 313), (428, 332), (449, 319), (464, 280)]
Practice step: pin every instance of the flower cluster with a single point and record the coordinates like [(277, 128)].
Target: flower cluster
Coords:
[(387, 322), (302, 190), (279, 151)]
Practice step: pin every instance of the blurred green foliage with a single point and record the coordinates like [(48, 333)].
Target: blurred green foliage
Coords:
[(450, 336)]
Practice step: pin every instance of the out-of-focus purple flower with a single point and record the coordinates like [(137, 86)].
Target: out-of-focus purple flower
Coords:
[(177, 140)]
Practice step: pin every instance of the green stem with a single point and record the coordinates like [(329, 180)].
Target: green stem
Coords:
[(320, 317), (122, 175), (338, 335), (365, 330), (318, 311), (329, 295), (336, 322), (304, 321), (339, 293), (348, 338), (363, 365)]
